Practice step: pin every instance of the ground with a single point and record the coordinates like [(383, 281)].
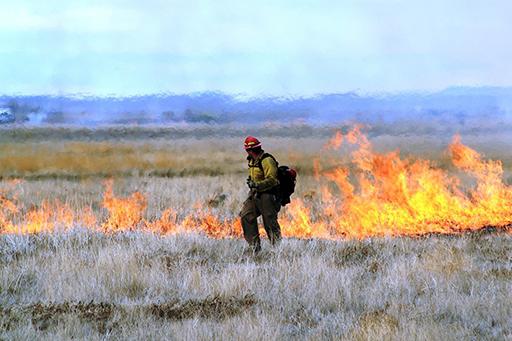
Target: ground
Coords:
[(83, 283), (140, 286)]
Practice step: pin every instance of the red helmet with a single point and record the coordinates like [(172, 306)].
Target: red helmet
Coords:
[(251, 142)]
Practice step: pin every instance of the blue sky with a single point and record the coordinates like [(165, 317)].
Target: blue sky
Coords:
[(291, 47)]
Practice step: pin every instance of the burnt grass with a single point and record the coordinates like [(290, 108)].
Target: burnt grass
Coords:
[(217, 308), (101, 315), (42, 316)]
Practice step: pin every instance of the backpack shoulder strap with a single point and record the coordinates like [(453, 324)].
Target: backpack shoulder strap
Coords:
[(264, 156)]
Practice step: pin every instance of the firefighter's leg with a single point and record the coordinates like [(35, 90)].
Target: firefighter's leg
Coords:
[(269, 207), (249, 217)]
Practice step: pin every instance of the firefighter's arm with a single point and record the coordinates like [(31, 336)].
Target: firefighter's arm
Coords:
[(270, 171)]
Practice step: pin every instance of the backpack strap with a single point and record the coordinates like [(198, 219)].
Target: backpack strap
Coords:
[(258, 164), (264, 156)]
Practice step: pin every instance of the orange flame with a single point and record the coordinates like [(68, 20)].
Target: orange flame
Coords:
[(390, 196), (124, 213), (335, 142), (8, 209), (404, 197)]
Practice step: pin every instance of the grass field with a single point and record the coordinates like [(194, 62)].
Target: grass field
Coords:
[(90, 286), (77, 153), (83, 284)]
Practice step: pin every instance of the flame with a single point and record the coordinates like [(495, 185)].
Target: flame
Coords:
[(166, 224), (48, 217), (124, 213), (378, 194), (299, 223), (8, 209), (397, 196), (335, 142)]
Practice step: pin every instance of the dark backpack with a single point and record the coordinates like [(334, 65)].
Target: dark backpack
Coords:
[(287, 179)]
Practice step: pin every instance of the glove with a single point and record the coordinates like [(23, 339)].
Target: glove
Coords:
[(251, 183)]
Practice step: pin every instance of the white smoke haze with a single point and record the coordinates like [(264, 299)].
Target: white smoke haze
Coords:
[(456, 109), (277, 48)]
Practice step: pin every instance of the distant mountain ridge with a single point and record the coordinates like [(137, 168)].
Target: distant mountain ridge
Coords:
[(455, 103)]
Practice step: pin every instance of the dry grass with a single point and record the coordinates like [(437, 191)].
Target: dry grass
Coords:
[(133, 285), (139, 286), (80, 159), (57, 153)]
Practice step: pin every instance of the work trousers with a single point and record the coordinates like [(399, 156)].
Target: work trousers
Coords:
[(267, 205)]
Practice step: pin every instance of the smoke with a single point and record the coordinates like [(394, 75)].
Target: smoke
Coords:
[(451, 110)]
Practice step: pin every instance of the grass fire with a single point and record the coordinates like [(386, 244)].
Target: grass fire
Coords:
[(390, 196), (386, 237)]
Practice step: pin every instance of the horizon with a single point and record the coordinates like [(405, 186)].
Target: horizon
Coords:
[(244, 97), (458, 104)]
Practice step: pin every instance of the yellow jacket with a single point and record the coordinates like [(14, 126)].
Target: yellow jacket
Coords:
[(266, 176)]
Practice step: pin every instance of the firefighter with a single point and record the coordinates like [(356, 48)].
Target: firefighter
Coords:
[(262, 199)]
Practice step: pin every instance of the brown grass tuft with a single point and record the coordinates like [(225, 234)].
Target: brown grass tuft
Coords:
[(217, 308)]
